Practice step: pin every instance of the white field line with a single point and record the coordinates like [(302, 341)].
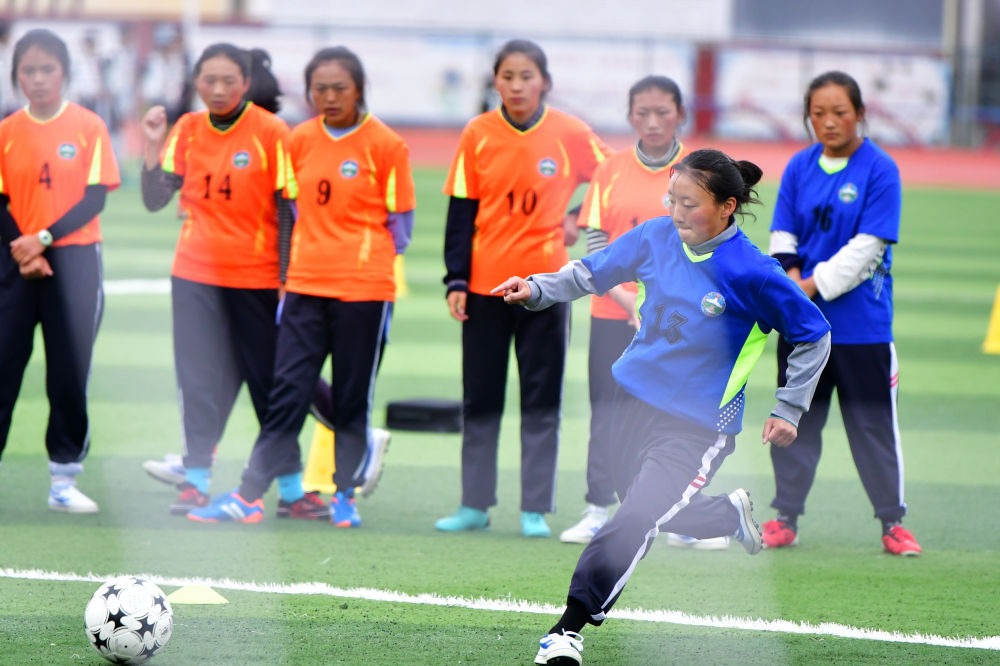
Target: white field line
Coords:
[(127, 287), (513, 606)]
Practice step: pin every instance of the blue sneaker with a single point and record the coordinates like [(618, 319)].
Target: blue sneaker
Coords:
[(748, 533), (534, 525), (343, 512), (466, 518), (229, 508)]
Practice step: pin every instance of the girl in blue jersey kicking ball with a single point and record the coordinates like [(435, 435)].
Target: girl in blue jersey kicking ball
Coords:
[(711, 298)]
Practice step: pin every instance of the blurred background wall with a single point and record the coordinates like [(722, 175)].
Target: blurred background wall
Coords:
[(929, 69)]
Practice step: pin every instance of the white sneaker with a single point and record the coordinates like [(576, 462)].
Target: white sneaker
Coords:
[(566, 647), (748, 534), (67, 498), (376, 457), (170, 470), (593, 519), (684, 541)]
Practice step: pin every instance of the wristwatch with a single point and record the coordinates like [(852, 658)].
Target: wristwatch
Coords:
[(45, 237)]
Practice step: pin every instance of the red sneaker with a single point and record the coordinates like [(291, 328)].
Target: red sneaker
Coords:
[(899, 541), (308, 507), (189, 498), (779, 534)]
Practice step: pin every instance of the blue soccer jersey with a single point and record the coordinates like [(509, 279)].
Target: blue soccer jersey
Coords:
[(824, 211), (705, 319)]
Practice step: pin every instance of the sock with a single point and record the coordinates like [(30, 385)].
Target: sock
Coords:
[(888, 525), (347, 493), (60, 480), (790, 519), (199, 477), (574, 618), (290, 487)]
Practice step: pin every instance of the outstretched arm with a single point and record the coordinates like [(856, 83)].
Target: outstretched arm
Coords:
[(543, 290), (514, 289)]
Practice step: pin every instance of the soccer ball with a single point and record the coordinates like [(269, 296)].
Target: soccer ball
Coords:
[(128, 620)]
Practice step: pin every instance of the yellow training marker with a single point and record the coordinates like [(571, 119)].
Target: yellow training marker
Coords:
[(991, 345), (196, 595), (318, 475)]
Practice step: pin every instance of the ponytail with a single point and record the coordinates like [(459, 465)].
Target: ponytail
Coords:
[(264, 89)]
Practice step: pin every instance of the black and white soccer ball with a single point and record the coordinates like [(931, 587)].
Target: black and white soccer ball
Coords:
[(128, 620)]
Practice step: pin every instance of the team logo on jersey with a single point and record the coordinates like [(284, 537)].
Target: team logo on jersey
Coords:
[(666, 201), (547, 167), (848, 193), (67, 151), (713, 304), (241, 160), (349, 169)]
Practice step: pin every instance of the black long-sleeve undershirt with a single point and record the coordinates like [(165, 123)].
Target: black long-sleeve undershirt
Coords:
[(459, 229), (158, 187), (82, 212), (8, 225), (286, 221)]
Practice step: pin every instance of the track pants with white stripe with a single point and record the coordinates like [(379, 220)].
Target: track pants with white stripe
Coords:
[(69, 306), (866, 379), (662, 464), (313, 327)]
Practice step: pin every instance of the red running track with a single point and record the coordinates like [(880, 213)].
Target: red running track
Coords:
[(936, 167)]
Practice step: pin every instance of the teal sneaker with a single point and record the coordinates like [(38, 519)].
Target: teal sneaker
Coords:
[(466, 518), (534, 525), (229, 508), (343, 511)]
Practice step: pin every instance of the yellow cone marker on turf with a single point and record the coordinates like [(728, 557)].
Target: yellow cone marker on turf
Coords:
[(399, 272), (196, 595), (318, 475), (991, 345)]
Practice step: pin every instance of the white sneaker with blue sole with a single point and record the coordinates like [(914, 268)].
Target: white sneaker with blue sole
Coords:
[(170, 470), (593, 519), (376, 458), (564, 648), (67, 498)]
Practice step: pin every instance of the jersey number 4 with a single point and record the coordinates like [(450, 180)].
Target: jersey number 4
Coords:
[(45, 177)]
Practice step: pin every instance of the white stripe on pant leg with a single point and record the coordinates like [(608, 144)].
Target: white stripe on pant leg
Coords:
[(370, 398), (893, 397), (693, 487)]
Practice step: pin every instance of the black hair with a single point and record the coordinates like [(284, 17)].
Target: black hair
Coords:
[(530, 50), (842, 79), (723, 177), (47, 41), (662, 83), (264, 89), (348, 60), (255, 66)]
